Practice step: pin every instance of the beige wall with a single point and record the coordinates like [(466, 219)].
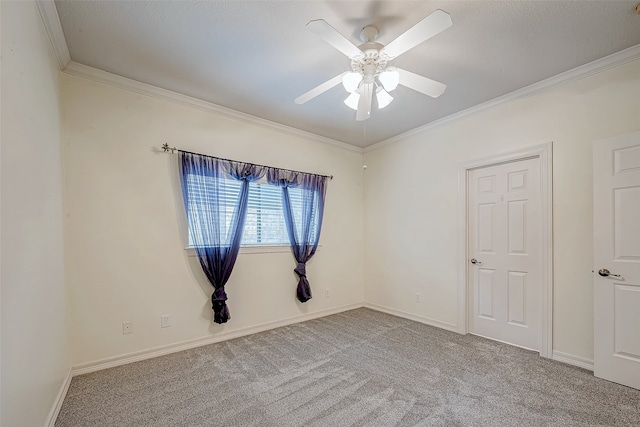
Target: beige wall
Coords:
[(125, 231), (35, 356), (411, 198)]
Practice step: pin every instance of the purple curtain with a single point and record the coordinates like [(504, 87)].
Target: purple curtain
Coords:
[(303, 221), (216, 208)]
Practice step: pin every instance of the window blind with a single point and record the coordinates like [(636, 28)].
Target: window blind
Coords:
[(264, 224)]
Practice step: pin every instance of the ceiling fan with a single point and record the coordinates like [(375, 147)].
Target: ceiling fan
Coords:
[(371, 73)]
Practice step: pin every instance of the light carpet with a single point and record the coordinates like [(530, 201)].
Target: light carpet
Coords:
[(357, 368)]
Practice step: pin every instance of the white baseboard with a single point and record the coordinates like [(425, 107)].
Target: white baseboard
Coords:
[(571, 359), (55, 409), (111, 362), (415, 317)]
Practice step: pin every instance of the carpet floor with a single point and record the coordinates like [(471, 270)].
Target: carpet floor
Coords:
[(357, 368)]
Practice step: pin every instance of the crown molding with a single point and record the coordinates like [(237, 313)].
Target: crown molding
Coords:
[(51, 22), (105, 77), (587, 70), (52, 25)]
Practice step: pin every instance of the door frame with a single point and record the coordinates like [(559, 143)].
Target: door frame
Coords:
[(545, 153)]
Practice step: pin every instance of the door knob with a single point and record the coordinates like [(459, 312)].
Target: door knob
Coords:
[(605, 273), (475, 261)]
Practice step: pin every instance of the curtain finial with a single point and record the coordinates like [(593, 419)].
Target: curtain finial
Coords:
[(167, 149)]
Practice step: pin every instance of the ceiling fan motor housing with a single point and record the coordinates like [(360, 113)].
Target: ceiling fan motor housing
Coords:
[(370, 63)]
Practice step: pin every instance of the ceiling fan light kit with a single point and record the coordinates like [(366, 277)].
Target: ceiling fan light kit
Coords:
[(352, 100), (370, 72), (351, 81), (389, 78), (383, 97)]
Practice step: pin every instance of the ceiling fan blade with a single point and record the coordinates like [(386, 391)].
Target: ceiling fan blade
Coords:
[(364, 103), (430, 26), (421, 84), (330, 35), (320, 89)]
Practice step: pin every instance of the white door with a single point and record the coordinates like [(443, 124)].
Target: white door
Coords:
[(505, 287), (616, 243)]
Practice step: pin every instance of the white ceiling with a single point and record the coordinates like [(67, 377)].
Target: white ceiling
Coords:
[(256, 57)]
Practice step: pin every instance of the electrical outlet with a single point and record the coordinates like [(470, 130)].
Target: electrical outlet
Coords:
[(327, 293), (418, 298), (165, 320), (127, 328)]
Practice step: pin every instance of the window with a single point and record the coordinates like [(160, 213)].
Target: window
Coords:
[(265, 221), (264, 224)]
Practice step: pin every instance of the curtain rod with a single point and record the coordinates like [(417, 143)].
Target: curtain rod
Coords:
[(172, 150)]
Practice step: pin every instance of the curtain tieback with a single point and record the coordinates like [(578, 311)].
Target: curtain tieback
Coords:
[(301, 269), (303, 291), (220, 309)]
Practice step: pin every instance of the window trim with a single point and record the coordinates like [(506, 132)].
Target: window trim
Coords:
[(252, 250)]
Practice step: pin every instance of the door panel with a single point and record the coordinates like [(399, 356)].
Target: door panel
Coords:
[(626, 159), (505, 289), (627, 301), (626, 223), (516, 226), (616, 218), (485, 223), (517, 298), (485, 293)]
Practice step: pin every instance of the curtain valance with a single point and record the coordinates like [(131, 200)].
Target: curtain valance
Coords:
[(236, 169)]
